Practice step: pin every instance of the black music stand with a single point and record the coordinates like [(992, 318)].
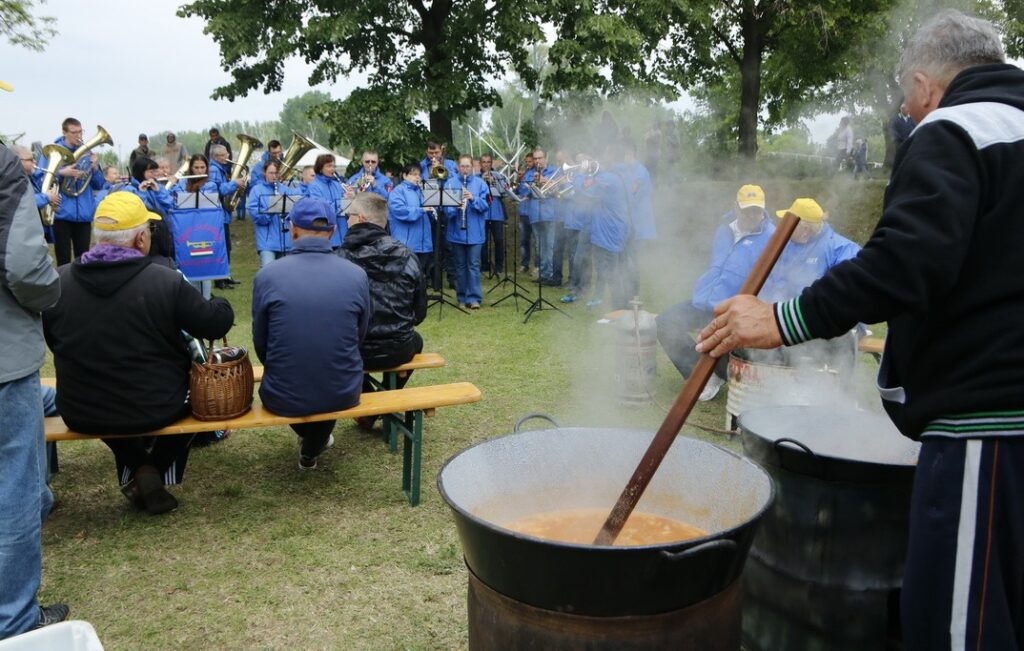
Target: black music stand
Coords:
[(435, 196), (515, 295), (541, 303), (281, 205)]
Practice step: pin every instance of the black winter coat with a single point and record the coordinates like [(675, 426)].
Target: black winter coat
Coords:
[(122, 363), (398, 290)]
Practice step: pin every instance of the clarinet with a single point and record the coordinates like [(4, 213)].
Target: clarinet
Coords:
[(463, 224)]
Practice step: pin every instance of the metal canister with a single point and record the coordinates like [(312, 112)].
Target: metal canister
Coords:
[(636, 354)]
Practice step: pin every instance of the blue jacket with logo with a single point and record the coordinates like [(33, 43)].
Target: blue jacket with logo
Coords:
[(802, 264), (329, 190), (73, 209), (609, 225), (271, 234), (310, 312), (476, 212), (731, 262), (382, 185), (496, 207), (409, 223)]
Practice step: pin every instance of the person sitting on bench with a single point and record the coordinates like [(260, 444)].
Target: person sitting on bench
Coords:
[(398, 290), (310, 311), (122, 362)]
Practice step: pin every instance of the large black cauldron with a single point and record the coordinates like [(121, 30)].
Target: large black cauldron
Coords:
[(504, 479)]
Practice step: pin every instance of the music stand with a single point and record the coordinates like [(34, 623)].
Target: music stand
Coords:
[(437, 197), (515, 295), (541, 303), (197, 200), (281, 205)]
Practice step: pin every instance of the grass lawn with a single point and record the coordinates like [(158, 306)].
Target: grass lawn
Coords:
[(261, 555)]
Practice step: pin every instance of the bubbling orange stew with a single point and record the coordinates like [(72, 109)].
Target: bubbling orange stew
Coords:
[(581, 526)]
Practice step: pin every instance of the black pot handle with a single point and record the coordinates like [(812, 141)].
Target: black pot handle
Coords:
[(527, 417), (777, 442), (722, 544)]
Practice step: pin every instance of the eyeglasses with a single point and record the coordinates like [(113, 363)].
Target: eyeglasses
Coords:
[(369, 161), (28, 160)]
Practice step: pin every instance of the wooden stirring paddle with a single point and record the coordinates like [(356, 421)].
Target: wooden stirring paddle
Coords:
[(687, 398)]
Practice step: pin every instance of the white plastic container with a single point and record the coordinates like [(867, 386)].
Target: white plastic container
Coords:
[(74, 635)]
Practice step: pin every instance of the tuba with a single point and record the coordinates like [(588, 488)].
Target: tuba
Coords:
[(241, 168), (289, 161), (73, 187), (56, 158)]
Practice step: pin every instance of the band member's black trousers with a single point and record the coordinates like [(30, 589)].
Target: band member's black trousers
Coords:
[(68, 235)]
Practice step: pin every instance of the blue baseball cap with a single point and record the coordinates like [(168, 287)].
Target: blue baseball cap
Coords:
[(308, 209)]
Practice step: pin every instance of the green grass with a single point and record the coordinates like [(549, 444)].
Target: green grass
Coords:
[(260, 555)]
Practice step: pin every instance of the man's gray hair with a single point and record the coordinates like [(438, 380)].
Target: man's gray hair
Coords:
[(118, 238), (21, 151), (216, 149), (949, 43), (372, 206)]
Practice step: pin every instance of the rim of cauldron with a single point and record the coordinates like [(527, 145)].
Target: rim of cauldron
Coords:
[(680, 545)]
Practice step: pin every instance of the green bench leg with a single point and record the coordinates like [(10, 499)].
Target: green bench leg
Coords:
[(388, 383), (412, 450)]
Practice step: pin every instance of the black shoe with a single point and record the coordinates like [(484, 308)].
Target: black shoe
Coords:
[(232, 281), (52, 614), (307, 456)]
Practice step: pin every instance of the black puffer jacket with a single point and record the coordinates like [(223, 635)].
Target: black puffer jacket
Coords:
[(397, 289)]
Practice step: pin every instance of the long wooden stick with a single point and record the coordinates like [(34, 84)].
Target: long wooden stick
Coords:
[(687, 398)]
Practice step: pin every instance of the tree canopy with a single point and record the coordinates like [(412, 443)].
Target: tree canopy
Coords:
[(21, 27)]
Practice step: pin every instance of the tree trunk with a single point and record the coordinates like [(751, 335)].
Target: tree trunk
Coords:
[(435, 53), (750, 82), (441, 126)]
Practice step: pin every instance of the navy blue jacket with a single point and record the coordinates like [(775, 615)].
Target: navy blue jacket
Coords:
[(310, 311)]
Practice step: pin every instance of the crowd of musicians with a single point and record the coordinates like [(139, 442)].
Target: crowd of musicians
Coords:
[(587, 211)]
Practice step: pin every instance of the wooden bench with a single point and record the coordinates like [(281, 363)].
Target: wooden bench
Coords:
[(403, 408), (872, 346)]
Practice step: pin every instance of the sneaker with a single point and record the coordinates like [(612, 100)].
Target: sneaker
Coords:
[(711, 389), (568, 298), (232, 281), (365, 423), (473, 306), (309, 462), (52, 614), (523, 269)]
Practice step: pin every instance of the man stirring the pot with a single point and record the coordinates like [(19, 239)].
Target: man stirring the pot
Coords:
[(942, 268)]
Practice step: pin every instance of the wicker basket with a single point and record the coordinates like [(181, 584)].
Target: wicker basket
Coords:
[(221, 390)]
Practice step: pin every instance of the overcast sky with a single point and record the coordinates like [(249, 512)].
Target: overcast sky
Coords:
[(133, 67)]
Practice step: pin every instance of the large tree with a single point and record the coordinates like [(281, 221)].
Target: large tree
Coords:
[(436, 57), (21, 27), (773, 55)]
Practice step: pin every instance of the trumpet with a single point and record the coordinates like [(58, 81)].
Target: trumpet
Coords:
[(438, 170), (75, 187), (365, 182), (56, 157)]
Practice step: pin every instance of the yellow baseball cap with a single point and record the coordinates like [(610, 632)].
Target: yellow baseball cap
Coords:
[(807, 210), (750, 195), (122, 211), (6, 86)]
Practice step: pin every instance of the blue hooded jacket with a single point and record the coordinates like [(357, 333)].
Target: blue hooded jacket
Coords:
[(731, 262), (329, 190), (158, 201), (73, 209), (802, 264), (538, 210), (609, 225), (382, 185), (409, 223), (449, 164), (496, 207), (271, 235), (476, 212), (642, 208), (224, 187), (310, 312)]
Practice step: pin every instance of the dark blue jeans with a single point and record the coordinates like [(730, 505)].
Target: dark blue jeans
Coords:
[(495, 235), (24, 502), (525, 232), (467, 273), (547, 239)]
